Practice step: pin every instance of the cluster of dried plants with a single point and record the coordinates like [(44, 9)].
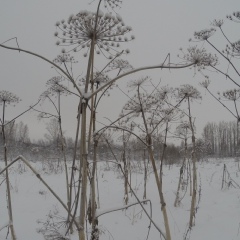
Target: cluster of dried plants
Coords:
[(147, 116)]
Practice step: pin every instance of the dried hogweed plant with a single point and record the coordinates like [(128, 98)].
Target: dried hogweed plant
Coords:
[(200, 57), (234, 17), (9, 98), (79, 32)]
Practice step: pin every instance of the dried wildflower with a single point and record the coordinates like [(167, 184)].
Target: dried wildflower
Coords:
[(232, 95), (112, 3), (54, 227), (188, 91), (204, 34), (64, 58), (143, 102), (200, 57), (138, 82), (168, 114), (164, 92), (217, 23), (205, 83), (233, 49), (7, 97), (55, 87), (99, 78), (234, 17), (183, 129), (122, 65), (79, 32)]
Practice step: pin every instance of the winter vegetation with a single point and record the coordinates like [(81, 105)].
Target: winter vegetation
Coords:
[(123, 178)]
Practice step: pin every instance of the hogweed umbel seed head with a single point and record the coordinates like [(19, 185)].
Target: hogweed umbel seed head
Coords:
[(204, 34), (64, 58), (233, 49), (217, 23), (81, 29), (8, 98), (55, 87), (200, 57), (232, 95), (121, 65), (188, 91), (234, 17), (205, 83)]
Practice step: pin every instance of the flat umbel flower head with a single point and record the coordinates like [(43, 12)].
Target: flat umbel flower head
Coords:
[(147, 102), (188, 91), (121, 65), (204, 34), (164, 92), (217, 23), (79, 32), (234, 17), (64, 58), (138, 82), (233, 49), (112, 3), (205, 83), (183, 129), (56, 87), (232, 95), (99, 78), (200, 57), (7, 97)]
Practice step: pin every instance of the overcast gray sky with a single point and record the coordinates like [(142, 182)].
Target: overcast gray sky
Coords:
[(160, 27)]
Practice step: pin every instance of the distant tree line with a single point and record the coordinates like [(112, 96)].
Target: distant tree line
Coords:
[(223, 138), (218, 140)]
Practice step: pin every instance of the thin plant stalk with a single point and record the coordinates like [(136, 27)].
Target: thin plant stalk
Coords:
[(194, 177), (9, 202), (74, 163), (157, 179), (180, 181)]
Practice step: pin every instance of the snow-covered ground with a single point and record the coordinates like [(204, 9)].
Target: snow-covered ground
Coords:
[(217, 218)]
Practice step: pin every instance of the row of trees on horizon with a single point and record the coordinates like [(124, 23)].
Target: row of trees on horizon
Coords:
[(218, 140)]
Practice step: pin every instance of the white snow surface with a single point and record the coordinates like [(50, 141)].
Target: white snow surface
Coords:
[(217, 217)]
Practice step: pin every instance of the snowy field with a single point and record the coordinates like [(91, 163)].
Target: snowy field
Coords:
[(217, 217)]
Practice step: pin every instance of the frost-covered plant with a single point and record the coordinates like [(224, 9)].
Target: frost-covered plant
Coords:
[(79, 32)]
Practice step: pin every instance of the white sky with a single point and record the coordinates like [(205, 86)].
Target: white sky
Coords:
[(160, 27)]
